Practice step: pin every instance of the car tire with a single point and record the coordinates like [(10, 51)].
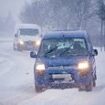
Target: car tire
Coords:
[(89, 86), (81, 87), (14, 47), (38, 89), (94, 83), (19, 49)]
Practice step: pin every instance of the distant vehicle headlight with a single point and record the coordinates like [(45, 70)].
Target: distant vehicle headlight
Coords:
[(40, 67), (21, 41), (83, 65), (38, 42)]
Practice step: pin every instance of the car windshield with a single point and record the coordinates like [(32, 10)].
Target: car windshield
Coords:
[(63, 47), (27, 31)]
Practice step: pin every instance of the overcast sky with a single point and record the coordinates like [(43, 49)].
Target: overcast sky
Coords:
[(13, 6)]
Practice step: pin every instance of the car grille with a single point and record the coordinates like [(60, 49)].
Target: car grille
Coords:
[(62, 67), (29, 42)]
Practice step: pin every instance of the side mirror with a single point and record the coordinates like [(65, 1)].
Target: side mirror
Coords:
[(95, 52), (33, 54)]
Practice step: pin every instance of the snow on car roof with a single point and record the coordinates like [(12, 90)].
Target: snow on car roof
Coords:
[(57, 34), (27, 26)]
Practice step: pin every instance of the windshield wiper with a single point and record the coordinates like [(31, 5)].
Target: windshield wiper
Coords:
[(69, 52), (50, 51), (64, 51)]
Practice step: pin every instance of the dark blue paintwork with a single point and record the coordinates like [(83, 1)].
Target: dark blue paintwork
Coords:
[(65, 65)]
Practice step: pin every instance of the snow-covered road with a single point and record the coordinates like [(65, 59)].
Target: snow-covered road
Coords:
[(17, 83), (16, 75)]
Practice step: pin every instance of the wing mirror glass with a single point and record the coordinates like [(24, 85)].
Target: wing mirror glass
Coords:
[(33, 54), (95, 52)]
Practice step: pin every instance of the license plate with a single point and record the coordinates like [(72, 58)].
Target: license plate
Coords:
[(62, 76)]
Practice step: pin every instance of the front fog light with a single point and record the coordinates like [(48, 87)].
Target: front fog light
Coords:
[(40, 67), (83, 65)]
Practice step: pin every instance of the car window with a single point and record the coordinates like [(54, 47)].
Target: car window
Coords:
[(63, 47), (27, 31)]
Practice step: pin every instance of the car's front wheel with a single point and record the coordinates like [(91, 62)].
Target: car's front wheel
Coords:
[(89, 86), (17, 47), (38, 88), (94, 83), (14, 47)]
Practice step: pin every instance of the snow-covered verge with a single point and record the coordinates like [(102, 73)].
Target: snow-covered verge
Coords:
[(17, 82), (16, 74)]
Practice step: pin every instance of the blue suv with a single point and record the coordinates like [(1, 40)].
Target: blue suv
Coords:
[(65, 59)]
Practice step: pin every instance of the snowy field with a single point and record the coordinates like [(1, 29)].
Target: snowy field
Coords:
[(17, 82)]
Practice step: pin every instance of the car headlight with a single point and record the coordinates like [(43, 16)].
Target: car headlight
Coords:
[(83, 65), (40, 67), (21, 41), (38, 42)]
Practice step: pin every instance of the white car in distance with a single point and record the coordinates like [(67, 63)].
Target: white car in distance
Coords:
[(27, 37)]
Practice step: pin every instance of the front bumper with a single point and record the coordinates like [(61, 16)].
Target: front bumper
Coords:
[(47, 78), (27, 45)]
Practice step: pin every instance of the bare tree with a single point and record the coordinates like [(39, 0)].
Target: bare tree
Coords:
[(59, 14), (101, 14), (82, 11)]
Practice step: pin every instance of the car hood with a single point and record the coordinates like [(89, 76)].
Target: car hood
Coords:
[(29, 38), (62, 61)]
